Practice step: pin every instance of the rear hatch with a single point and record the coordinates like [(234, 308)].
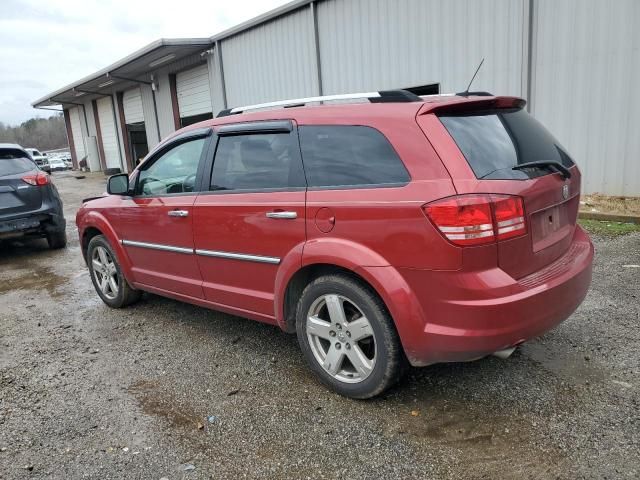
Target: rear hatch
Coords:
[(16, 195), (486, 140)]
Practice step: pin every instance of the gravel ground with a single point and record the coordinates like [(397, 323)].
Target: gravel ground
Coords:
[(168, 390)]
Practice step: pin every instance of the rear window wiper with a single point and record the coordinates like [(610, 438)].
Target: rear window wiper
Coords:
[(564, 171)]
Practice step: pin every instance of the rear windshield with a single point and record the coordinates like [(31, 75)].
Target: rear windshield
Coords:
[(13, 162), (493, 142)]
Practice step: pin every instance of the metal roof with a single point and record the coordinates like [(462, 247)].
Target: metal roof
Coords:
[(127, 71)]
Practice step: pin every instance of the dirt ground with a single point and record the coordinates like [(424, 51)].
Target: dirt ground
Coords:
[(168, 390)]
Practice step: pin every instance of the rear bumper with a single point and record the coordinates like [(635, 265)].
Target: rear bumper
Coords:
[(37, 222), (468, 315)]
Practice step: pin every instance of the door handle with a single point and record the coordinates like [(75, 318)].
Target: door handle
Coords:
[(282, 215), (178, 213)]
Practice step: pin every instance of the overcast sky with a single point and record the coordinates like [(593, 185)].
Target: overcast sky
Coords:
[(46, 45)]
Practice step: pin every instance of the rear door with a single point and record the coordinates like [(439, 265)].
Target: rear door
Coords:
[(253, 215), (480, 147), (16, 195)]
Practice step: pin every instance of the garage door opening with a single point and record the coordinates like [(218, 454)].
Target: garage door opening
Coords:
[(138, 146), (134, 129), (192, 96)]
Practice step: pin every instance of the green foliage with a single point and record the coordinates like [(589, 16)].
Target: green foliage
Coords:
[(41, 133)]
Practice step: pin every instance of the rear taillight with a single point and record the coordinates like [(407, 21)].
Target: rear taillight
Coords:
[(509, 216), (477, 219), (37, 180)]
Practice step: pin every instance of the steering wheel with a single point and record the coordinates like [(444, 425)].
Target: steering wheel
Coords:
[(144, 181)]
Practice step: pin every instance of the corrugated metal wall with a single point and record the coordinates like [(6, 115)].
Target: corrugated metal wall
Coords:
[(376, 44), (272, 61), (585, 65), (150, 125), (215, 81), (586, 68)]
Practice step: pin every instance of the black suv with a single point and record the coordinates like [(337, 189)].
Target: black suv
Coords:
[(29, 202)]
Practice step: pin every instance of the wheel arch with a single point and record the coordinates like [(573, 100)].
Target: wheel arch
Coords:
[(94, 224), (366, 266), (298, 282)]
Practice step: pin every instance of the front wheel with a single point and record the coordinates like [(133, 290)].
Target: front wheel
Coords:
[(348, 337), (107, 276)]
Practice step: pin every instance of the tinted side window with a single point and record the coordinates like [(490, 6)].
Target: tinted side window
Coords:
[(336, 156), (173, 172), (494, 142), (257, 162)]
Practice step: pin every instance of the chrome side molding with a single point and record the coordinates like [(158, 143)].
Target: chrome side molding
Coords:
[(238, 256), (157, 246), (205, 253)]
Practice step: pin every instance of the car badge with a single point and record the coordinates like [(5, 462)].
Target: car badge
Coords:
[(565, 191)]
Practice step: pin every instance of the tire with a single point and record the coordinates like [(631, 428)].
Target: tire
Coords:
[(329, 348), (57, 240), (103, 268)]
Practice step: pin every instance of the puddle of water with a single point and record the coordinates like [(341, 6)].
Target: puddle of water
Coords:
[(34, 278), (155, 403)]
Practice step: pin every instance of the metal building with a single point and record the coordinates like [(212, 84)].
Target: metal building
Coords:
[(576, 62)]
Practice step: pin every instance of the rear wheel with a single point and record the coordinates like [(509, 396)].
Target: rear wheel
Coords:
[(348, 337), (106, 275), (57, 239)]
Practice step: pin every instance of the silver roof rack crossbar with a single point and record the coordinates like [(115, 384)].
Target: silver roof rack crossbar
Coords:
[(373, 97)]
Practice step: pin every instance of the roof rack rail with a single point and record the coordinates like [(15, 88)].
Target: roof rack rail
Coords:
[(474, 94), (383, 96)]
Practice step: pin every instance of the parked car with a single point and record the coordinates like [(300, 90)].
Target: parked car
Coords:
[(407, 230), (57, 164), (29, 202), (64, 156), (41, 159)]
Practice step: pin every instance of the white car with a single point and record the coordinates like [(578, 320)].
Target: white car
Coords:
[(57, 164), (40, 158)]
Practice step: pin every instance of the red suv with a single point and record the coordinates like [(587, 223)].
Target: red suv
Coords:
[(403, 230)]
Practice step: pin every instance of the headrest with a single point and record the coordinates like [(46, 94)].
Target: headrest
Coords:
[(257, 153)]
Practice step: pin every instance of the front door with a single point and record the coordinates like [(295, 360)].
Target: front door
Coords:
[(252, 216), (155, 224)]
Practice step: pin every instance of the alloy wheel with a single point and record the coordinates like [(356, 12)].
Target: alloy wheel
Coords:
[(105, 272), (341, 338)]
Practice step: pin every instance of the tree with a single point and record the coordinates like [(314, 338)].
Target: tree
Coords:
[(41, 133)]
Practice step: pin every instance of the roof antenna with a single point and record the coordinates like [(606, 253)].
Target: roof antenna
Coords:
[(466, 92)]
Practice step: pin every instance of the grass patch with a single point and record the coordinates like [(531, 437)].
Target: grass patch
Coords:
[(608, 229), (609, 204)]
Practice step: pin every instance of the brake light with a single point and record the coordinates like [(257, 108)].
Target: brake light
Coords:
[(509, 216), (37, 180), (468, 220)]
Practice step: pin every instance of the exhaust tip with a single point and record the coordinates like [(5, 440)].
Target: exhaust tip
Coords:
[(504, 354)]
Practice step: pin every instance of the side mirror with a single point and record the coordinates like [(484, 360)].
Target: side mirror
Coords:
[(118, 184)]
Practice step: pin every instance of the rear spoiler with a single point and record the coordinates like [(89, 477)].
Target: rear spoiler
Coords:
[(458, 104)]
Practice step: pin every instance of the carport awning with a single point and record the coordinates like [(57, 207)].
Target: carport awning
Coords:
[(127, 72)]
